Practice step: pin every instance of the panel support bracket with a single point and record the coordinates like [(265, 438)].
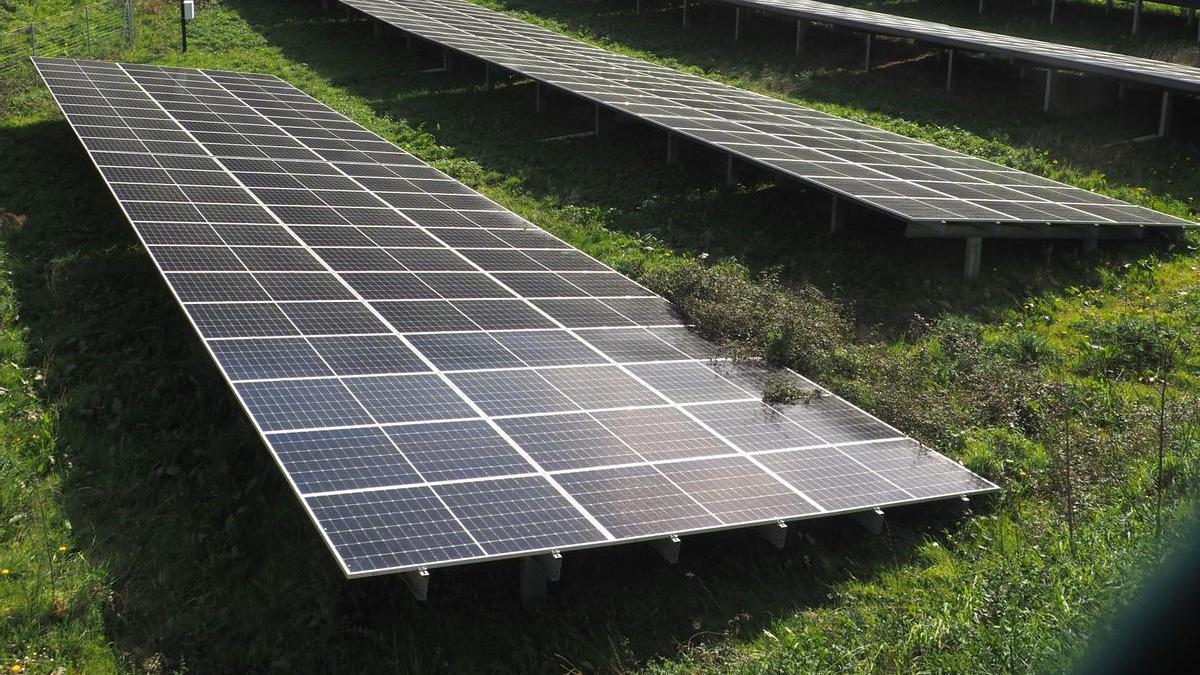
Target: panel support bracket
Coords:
[(775, 533), (418, 583), (871, 520), (668, 548)]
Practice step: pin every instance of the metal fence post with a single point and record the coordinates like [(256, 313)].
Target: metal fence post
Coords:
[(129, 20), (33, 37), (87, 29)]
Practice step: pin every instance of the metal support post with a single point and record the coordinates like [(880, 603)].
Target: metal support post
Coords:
[(801, 33), (418, 583), (536, 574), (668, 548), (539, 98), (1049, 90), (950, 69), (730, 172), (867, 58), (1137, 16), (974, 256), (685, 12), (601, 125), (672, 148), (737, 23), (1053, 10), (87, 30), (960, 506), (775, 533), (1164, 115), (871, 520), (837, 217)]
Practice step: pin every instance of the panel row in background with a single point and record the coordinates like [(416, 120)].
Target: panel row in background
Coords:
[(915, 181)]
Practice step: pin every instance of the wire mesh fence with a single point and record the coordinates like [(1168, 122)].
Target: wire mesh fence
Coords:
[(84, 31)]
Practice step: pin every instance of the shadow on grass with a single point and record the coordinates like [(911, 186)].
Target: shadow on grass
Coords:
[(213, 565), (624, 181)]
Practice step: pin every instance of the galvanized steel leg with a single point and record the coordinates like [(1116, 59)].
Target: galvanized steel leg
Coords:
[(801, 32), (737, 23), (1137, 16), (973, 258), (837, 217), (950, 70), (1164, 115), (668, 548), (867, 58), (1049, 90), (418, 583), (672, 148)]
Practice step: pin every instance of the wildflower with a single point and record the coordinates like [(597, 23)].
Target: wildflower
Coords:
[(4, 572), (62, 548), (16, 668)]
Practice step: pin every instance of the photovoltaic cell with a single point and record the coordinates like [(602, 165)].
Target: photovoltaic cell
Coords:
[(449, 383)]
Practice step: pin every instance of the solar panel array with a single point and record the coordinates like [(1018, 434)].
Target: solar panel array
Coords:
[(911, 180), (440, 380), (1120, 66)]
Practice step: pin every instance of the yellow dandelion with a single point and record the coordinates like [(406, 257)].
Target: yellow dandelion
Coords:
[(4, 572), (62, 549), (16, 668)]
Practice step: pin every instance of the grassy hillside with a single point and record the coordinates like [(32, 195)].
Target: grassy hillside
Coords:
[(143, 528)]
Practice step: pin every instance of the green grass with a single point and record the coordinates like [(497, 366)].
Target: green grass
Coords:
[(185, 550)]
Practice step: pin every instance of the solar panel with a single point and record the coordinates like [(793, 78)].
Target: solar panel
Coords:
[(1121, 66), (427, 408), (914, 181)]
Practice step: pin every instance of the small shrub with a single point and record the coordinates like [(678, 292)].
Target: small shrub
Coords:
[(1128, 346), (784, 390), (1026, 348)]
